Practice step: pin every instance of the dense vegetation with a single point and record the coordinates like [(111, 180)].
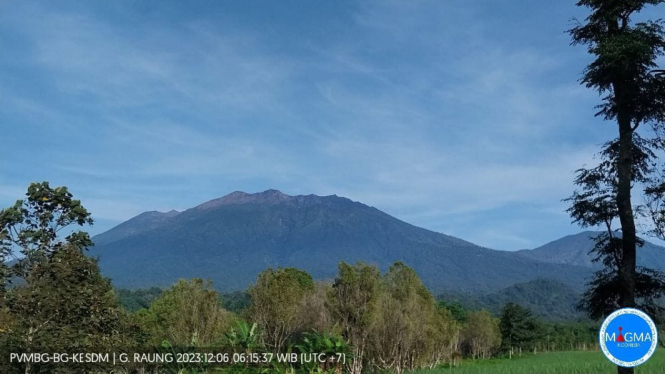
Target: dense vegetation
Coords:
[(548, 299), (379, 321), (133, 300), (385, 321)]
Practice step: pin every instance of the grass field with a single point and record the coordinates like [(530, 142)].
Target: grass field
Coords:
[(580, 362)]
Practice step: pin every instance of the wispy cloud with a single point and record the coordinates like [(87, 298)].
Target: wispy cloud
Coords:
[(445, 114)]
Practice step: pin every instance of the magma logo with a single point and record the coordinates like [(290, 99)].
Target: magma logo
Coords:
[(628, 337)]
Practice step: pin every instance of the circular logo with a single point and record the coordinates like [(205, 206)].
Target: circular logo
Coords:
[(628, 337)]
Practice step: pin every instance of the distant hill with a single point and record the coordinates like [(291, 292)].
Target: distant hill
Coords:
[(143, 222), (231, 239), (549, 299), (574, 250)]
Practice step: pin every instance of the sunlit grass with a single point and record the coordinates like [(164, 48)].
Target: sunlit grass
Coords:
[(579, 362)]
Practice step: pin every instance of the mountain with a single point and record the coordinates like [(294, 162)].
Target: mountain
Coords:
[(574, 250), (143, 222), (231, 239), (548, 299)]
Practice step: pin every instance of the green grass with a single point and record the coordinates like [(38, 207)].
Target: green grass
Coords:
[(579, 362)]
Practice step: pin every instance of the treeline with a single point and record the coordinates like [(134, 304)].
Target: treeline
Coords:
[(133, 300), (380, 321), (520, 329), (548, 299), (53, 299)]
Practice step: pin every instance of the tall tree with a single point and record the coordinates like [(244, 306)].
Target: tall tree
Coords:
[(62, 301), (481, 334), (625, 54), (189, 313), (404, 333), (65, 305), (313, 311), (30, 229), (276, 299), (519, 329), (354, 302)]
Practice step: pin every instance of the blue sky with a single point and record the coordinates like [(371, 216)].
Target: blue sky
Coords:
[(463, 117)]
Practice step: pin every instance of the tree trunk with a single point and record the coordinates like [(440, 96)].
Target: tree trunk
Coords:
[(625, 210), (623, 370)]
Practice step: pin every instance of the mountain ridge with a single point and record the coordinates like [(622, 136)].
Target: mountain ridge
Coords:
[(142, 222), (574, 250), (231, 239)]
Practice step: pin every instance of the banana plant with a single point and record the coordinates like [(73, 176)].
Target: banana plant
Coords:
[(243, 337), (331, 345)]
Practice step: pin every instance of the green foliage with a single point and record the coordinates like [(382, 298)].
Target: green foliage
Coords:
[(314, 313), (482, 335), (322, 343), (625, 55), (62, 304), (328, 343), (408, 331), (235, 302), (133, 300), (568, 336), (391, 322), (549, 300), (243, 337), (66, 305), (355, 297), (456, 309), (522, 330), (519, 328), (354, 300), (32, 225), (275, 302), (189, 310), (596, 205), (601, 298), (402, 283)]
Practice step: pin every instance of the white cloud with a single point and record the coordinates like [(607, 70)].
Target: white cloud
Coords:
[(423, 112)]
